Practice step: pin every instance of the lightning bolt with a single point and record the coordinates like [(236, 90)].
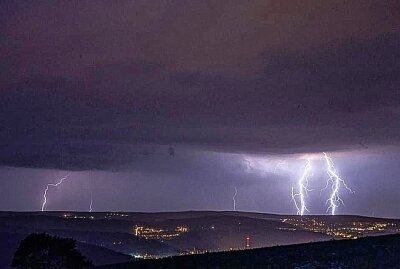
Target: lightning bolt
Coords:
[(334, 200), (234, 199), (302, 190), (52, 185), (91, 202)]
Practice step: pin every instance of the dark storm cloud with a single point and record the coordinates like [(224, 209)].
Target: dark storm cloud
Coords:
[(93, 85)]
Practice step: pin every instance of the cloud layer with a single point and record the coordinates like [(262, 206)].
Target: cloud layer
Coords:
[(95, 85)]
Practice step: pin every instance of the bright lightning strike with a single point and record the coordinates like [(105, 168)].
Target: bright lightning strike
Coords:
[(336, 181), (234, 199), (52, 185), (299, 197)]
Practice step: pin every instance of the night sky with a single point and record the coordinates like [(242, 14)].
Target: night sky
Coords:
[(169, 105)]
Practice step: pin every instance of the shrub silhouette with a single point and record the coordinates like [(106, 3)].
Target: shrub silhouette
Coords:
[(42, 251)]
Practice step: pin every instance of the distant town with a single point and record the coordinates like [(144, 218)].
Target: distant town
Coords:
[(126, 236)]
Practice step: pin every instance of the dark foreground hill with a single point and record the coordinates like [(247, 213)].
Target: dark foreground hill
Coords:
[(9, 243), (372, 252)]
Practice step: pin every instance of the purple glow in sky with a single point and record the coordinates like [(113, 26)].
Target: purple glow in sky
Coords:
[(204, 181), (167, 105)]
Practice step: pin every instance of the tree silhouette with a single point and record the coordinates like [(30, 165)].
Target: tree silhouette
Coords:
[(42, 251)]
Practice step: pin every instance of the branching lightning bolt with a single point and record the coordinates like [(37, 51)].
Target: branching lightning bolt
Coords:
[(334, 200), (302, 190), (52, 185), (234, 199)]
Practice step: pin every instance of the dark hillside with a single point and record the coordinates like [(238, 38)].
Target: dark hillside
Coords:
[(372, 252), (9, 242)]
